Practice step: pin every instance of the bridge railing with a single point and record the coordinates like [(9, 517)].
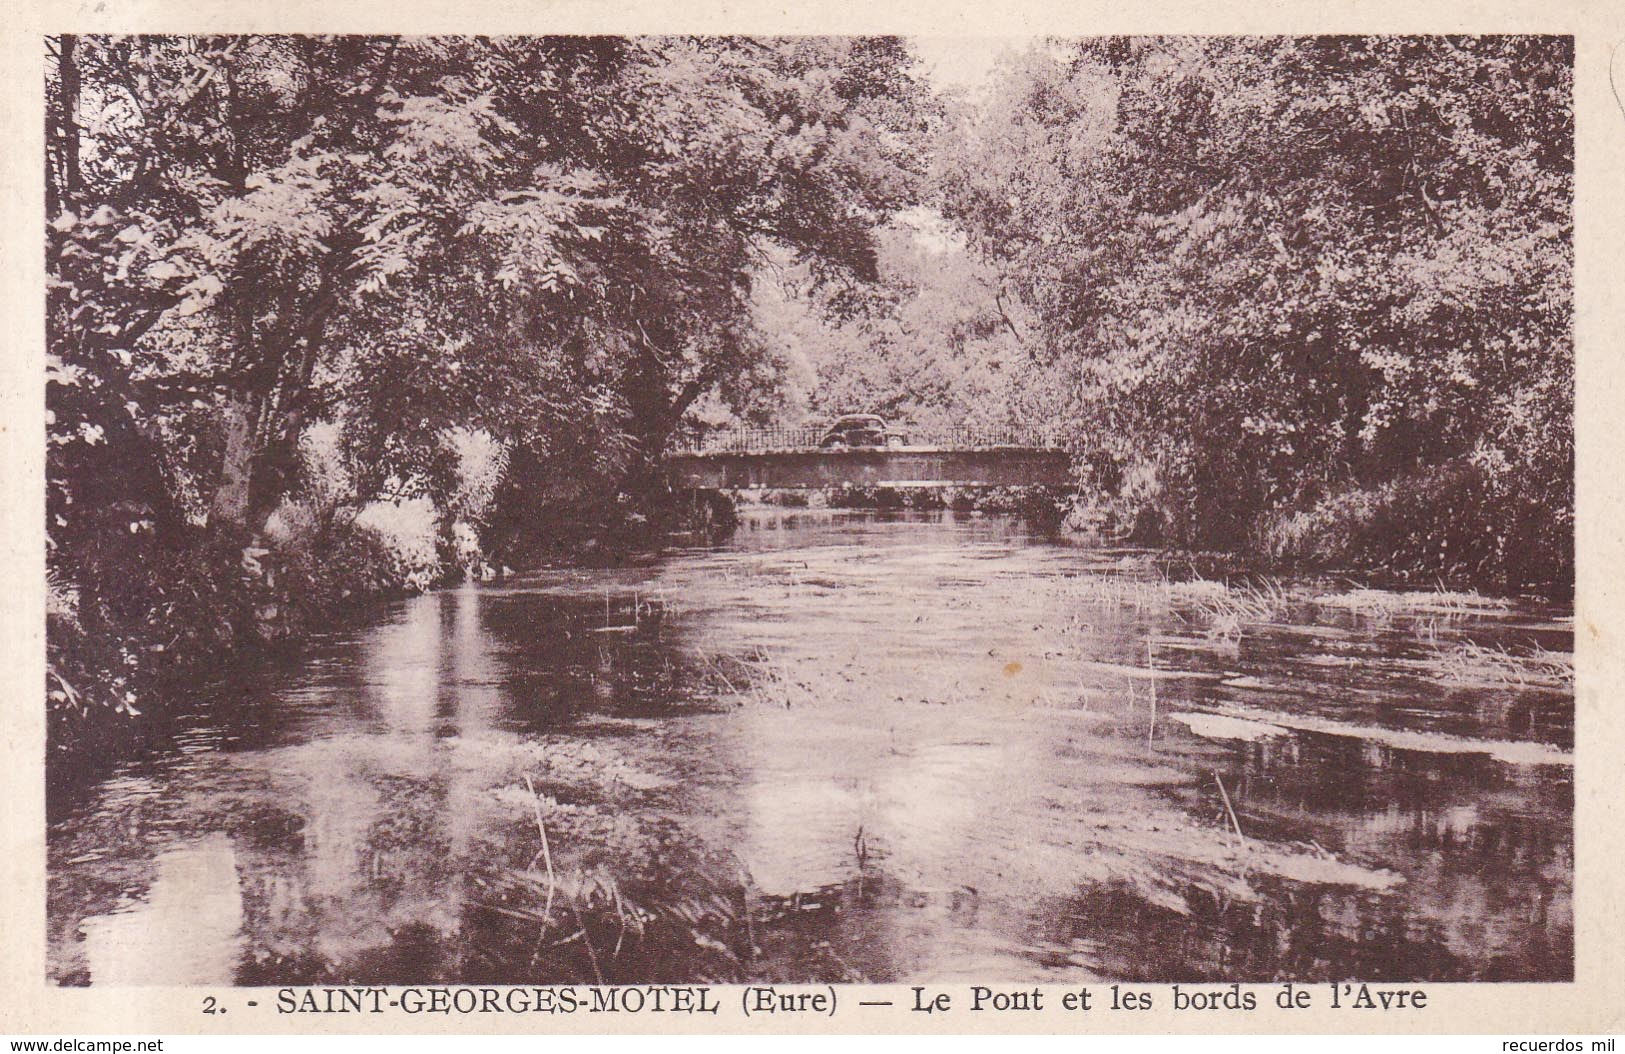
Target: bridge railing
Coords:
[(749, 440), (807, 437)]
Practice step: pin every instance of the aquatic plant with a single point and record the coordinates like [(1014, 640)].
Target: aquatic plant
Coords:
[(1469, 663), (636, 902), (1387, 603)]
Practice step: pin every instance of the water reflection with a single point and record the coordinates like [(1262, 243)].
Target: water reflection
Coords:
[(187, 930), (846, 748)]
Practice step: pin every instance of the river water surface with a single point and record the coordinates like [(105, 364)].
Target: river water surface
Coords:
[(845, 747)]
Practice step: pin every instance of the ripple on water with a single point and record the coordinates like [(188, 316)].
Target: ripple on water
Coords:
[(848, 747)]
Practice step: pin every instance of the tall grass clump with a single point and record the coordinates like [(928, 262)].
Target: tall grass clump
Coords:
[(1470, 663)]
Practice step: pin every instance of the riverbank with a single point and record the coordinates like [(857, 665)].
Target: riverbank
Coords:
[(149, 614), (158, 613), (1437, 529)]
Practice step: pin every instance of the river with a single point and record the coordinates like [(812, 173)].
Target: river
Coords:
[(852, 747)]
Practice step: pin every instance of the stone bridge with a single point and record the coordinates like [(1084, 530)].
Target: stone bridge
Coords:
[(792, 458)]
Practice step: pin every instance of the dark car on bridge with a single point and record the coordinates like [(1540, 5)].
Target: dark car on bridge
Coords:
[(860, 430)]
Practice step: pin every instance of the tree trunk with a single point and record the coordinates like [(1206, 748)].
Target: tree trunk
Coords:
[(231, 498), (68, 67)]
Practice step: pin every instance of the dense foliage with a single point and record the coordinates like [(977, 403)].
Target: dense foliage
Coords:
[(933, 342), (1312, 293), (1304, 297), (546, 242)]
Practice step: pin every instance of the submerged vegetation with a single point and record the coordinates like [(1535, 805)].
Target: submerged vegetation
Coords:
[(946, 749)]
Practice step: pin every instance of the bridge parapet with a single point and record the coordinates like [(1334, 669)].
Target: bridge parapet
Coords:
[(896, 467), (803, 438)]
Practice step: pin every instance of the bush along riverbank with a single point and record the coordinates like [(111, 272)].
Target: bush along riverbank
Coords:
[(132, 622), (140, 614), (1454, 524)]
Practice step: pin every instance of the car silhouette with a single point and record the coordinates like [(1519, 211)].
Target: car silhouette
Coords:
[(860, 430)]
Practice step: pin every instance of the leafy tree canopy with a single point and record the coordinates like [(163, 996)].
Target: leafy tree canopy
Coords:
[(1276, 268), (550, 239)]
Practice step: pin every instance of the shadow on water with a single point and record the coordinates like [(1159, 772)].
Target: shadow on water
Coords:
[(850, 747)]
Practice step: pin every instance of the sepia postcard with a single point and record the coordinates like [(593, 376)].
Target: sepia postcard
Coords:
[(1053, 518)]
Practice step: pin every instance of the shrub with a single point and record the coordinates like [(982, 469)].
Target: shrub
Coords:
[(142, 612), (1459, 520)]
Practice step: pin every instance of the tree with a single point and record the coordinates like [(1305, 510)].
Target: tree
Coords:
[(931, 343), (291, 227), (550, 241), (1278, 269)]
